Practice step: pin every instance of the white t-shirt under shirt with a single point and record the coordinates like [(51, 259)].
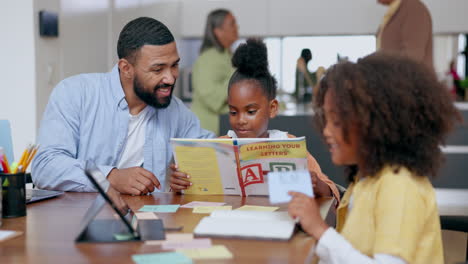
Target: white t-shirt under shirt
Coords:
[(277, 134), (132, 155)]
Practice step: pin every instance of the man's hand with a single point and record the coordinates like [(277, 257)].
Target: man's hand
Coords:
[(179, 180), (135, 180), (305, 209), (320, 188), (117, 199)]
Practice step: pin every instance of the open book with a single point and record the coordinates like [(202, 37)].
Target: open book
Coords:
[(247, 224), (253, 224), (236, 166)]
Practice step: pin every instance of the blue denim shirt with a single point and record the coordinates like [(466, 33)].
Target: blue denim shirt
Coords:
[(87, 119)]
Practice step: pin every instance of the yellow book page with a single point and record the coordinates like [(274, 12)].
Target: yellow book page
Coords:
[(204, 179), (214, 252), (268, 150), (257, 208), (210, 209)]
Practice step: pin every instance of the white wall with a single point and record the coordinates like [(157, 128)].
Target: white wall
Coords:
[(17, 71), (314, 17), (251, 16), (47, 67), (84, 36), (168, 12), (448, 16)]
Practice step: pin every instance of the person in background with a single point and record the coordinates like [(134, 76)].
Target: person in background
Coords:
[(406, 29), (212, 69), (459, 90), (305, 80), (252, 103), (384, 118), (122, 120)]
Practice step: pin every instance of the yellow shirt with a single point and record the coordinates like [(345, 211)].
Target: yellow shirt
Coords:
[(393, 213)]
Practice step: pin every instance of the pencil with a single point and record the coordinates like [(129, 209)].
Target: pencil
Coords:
[(31, 156), (24, 156)]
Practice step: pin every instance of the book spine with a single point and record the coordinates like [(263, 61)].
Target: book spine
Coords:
[(238, 167)]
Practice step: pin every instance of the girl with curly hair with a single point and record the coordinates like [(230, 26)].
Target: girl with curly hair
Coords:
[(384, 119)]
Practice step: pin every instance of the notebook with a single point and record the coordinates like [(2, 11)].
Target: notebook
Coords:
[(247, 224)]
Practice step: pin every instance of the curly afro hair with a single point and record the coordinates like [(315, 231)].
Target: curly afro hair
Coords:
[(402, 113), (251, 62)]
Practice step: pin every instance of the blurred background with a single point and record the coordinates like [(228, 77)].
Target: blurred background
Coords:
[(88, 30)]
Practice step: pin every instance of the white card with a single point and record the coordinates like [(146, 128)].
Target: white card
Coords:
[(280, 183), (196, 203), (7, 234)]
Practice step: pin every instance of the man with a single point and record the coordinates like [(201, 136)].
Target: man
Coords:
[(122, 120), (407, 29)]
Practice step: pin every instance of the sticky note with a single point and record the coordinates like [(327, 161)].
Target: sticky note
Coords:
[(280, 183), (171, 237), (146, 215), (166, 257), (209, 209), (174, 237), (257, 208), (123, 236), (167, 208), (188, 244), (7, 234), (215, 252), (196, 203)]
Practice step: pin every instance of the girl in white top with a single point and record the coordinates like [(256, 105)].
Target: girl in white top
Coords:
[(252, 103)]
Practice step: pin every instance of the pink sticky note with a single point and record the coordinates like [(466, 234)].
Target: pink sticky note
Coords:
[(146, 215), (173, 237), (195, 204), (190, 244)]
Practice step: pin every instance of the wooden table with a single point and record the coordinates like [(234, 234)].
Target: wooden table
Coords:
[(50, 229)]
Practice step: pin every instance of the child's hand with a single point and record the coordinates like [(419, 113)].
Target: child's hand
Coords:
[(179, 180), (305, 209), (320, 188)]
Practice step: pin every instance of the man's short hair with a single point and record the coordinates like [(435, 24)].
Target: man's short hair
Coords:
[(139, 32)]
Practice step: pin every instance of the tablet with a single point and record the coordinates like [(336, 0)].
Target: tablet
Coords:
[(108, 230)]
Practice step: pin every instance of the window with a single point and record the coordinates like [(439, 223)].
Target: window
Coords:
[(461, 63), (284, 52)]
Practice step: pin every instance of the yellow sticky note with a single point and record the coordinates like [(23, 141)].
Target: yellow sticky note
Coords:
[(209, 209), (215, 252), (257, 208)]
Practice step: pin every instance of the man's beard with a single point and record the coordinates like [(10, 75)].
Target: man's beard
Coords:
[(150, 98)]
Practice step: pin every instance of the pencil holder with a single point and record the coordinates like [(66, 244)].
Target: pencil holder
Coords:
[(13, 194)]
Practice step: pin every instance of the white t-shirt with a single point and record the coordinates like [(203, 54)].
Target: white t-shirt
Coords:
[(132, 155), (277, 134)]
